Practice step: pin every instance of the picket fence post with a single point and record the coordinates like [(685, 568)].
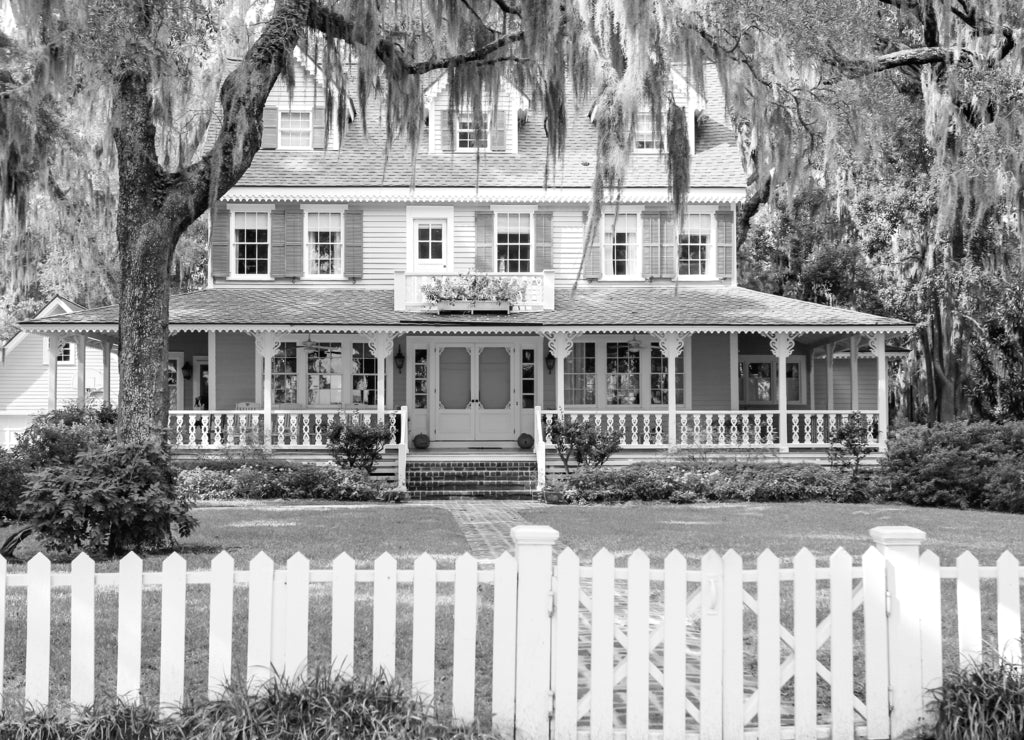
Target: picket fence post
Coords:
[(534, 551), (901, 548)]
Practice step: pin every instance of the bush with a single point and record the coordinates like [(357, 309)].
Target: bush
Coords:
[(328, 482), (333, 483), (12, 483), (582, 441), (358, 444), (848, 444), (58, 436), (203, 484), (984, 701), (957, 464), (114, 499), (259, 483)]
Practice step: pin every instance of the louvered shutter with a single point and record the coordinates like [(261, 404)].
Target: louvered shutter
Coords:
[(669, 246), (319, 129), (220, 247), (651, 257), (484, 241), (354, 243), (446, 133), (544, 258), (726, 243), (293, 246), (498, 131), (269, 128), (592, 258), (278, 262)]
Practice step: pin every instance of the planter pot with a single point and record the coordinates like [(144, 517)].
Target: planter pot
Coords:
[(421, 441), (474, 306), (525, 441), (554, 496)]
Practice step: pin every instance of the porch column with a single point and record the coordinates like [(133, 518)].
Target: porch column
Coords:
[(211, 369), (782, 345), (671, 344), (266, 347), (51, 380), (878, 350), (854, 372), (80, 362), (830, 384), (107, 345), (382, 344), (560, 344)]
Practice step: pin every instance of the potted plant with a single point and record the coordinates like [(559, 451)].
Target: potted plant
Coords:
[(474, 292)]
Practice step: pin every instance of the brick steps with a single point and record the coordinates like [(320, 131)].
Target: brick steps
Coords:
[(496, 479)]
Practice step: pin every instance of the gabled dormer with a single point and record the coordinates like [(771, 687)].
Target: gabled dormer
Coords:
[(498, 132)]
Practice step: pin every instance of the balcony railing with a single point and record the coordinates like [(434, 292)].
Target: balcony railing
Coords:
[(538, 291)]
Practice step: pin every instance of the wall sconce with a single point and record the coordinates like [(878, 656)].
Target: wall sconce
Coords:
[(549, 362), (399, 360), (186, 371)]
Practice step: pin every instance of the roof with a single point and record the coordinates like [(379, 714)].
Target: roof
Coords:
[(56, 305), (629, 309)]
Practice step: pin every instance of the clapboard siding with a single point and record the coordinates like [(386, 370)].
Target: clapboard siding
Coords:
[(305, 96), (867, 380), (236, 370), (710, 368), (384, 249)]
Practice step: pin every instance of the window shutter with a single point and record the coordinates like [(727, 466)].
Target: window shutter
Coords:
[(544, 258), (294, 239), (669, 246), (498, 131), (319, 128), (726, 243), (651, 259), (354, 243), (484, 241), (592, 258), (220, 248), (445, 127), (278, 262), (269, 128)]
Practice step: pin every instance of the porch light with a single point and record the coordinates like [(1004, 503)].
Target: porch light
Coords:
[(549, 362), (399, 360), (186, 371)]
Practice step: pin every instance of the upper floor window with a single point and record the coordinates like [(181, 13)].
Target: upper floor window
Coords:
[(324, 243), (694, 245), (621, 256), (471, 134), (643, 134), (512, 234), (296, 130), (250, 242)]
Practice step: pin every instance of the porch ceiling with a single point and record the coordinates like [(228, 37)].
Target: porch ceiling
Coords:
[(588, 308)]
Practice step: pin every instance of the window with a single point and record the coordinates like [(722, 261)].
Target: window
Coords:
[(284, 375), (643, 134), (471, 136), (251, 242), (325, 367), (64, 353), (364, 375), (581, 375), (659, 379), (758, 380), (620, 238), (324, 244), (420, 378), (512, 232), (325, 374), (622, 376), (528, 367), (430, 240), (296, 130), (694, 243)]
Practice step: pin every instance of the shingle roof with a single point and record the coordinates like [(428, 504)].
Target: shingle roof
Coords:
[(632, 308)]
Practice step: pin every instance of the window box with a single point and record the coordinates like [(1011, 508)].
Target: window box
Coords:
[(475, 290), (474, 306)]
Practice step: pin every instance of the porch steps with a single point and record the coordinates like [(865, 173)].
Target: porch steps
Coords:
[(464, 478)]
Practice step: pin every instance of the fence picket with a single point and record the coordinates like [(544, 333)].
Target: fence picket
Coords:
[(841, 643), (1008, 609), (930, 592), (297, 617), (261, 593), (424, 625), (129, 629), (172, 634), (769, 709), (385, 596), (464, 651), (503, 678), (675, 626), (83, 630), (343, 602), (711, 645), (37, 632), (638, 645), (602, 639), (222, 601), (876, 642), (805, 648), (968, 609), (732, 644), (278, 621), (566, 647)]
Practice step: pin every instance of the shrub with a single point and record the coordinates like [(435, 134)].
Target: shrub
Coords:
[(848, 444), (333, 483), (113, 499), (260, 482), (329, 482), (984, 701), (582, 441), (358, 444), (12, 483), (957, 464), (56, 437), (203, 484)]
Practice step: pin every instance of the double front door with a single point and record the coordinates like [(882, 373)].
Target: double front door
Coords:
[(475, 393)]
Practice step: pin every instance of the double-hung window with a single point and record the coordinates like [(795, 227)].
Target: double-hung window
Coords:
[(250, 240), (695, 245), (581, 375), (659, 378), (471, 134), (296, 129), (512, 234), (324, 243), (622, 375), (643, 133), (621, 256), (759, 383)]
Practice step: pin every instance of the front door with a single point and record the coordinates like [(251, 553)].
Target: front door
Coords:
[(475, 393)]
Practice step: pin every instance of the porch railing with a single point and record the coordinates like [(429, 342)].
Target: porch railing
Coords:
[(817, 428)]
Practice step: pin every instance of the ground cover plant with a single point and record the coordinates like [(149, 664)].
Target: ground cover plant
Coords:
[(981, 701)]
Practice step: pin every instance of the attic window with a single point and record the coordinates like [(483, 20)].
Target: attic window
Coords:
[(470, 135), (296, 129)]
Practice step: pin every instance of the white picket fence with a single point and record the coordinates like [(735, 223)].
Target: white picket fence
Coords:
[(708, 649)]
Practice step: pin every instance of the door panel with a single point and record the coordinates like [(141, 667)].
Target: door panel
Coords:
[(454, 393), (494, 407)]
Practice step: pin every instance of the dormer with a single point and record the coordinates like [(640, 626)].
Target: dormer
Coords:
[(498, 132)]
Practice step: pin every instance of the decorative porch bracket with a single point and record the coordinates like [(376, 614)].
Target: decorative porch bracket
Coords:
[(877, 344), (560, 343), (267, 346), (672, 344), (382, 344), (782, 344)]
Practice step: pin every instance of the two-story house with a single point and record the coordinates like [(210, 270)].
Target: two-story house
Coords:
[(327, 262)]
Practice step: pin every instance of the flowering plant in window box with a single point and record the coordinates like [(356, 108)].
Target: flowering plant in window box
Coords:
[(474, 291)]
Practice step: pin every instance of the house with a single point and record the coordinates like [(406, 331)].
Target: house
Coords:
[(41, 372), (329, 274)]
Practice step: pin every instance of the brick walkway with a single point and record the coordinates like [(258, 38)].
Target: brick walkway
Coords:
[(486, 524)]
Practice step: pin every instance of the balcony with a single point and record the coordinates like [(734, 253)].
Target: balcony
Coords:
[(538, 291)]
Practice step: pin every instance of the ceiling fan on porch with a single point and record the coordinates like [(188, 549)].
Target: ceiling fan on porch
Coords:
[(310, 344)]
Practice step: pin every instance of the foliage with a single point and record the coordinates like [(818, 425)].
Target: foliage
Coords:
[(981, 701), (112, 499), (12, 483), (328, 482), (849, 443), (582, 441), (957, 464), (357, 444), (474, 287), (58, 436), (204, 484)]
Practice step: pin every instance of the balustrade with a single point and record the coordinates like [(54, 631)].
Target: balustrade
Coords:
[(300, 428)]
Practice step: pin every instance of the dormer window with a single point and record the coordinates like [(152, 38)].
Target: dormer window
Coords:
[(296, 129), (644, 139), (470, 135)]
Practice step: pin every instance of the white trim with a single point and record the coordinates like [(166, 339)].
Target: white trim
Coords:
[(233, 273), (507, 210), (772, 361), (430, 213), (250, 207), (331, 211), (711, 261), (198, 360), (280, 129), (179, 401), (637, 261)]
